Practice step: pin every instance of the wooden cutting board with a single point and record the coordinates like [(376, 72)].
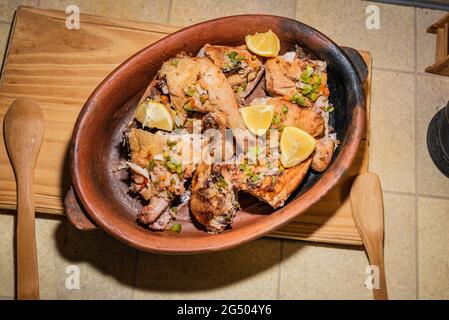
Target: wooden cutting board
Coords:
[(60, 68)]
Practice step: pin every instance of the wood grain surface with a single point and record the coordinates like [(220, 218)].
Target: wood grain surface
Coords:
[(59, 68)]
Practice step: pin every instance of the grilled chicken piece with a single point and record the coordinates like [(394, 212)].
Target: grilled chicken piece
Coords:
[(153, 210), (291, 114), (154, 177), (213, 202), (196, 84), (300, 80), (282, 75), (242, 69), (322, 155), (276, 188), (145, 145), (276, 192)]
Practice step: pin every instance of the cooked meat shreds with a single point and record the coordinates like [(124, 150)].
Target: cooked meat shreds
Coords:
[(322, 156), (242, 69)]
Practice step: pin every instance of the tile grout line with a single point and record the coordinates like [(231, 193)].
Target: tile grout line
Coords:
[(281, 254), (393, 70), (403, 193), (415, 35)]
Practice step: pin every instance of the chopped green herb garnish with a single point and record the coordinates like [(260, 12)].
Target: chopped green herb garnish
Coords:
[(284, 109), (175, 161), (171, 143), (232, 55), (171, 166), (151, 164), (188, 107), (190, 91), (273, 180), (173, 211), (305, 75), (179, 169), (276, 119), (177, 227), (317, 79), (307, 89), (257, 177), (174, 62), (221, 183), (298, 99), (242, 87), (329, 108), (234, 58), (313, 96)]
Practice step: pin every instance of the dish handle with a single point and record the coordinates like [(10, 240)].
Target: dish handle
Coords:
[(357, 60), (75, 213)]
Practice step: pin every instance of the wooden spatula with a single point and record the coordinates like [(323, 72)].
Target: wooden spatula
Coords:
[(24, 130), (368, 212)]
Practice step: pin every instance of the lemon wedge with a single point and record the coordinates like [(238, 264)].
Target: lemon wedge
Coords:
[(153, 114), (265, 44), (296, 146), (258, 118)]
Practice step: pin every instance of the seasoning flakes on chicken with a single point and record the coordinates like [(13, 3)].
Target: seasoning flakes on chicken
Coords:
[(242, 68)]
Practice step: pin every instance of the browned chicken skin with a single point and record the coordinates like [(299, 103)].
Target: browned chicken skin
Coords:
[(276, 192), (213, 202), (322, 156), (292, 115), (281, 76), (196, 84), (242, 69)]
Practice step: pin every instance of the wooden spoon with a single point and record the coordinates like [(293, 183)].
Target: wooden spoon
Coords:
[(368, 212), (24, 130)]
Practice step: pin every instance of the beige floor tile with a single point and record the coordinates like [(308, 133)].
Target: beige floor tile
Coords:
[(8, 7), (433, 94), (106, 267), (143, 10), (330, 272), (392, 45), (310, 271), (4, 34), (247, 272), (426, 41), (187, 12), (433, 251), (400, 245), (392, 148), (6, 254)]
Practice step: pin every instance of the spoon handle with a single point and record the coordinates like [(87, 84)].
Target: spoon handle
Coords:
[(375, 256), (27, 274)]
